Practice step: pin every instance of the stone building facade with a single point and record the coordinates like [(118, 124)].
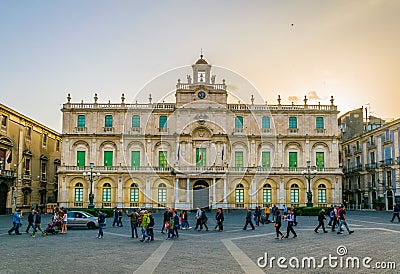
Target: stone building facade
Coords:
[(371, 162), (29, 155), (198, 151)]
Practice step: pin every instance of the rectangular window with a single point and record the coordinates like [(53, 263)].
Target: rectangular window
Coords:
[(322, 196), (78, 194), (135, 158), (266, 122), (239, 159), (239, 193), (292, 122), (136, 121), (81, 121), (163, 122), (108, 121), (320, 159), (57, 145), (28, 132), (43, 171), (162, 159), (201, 157), (108, 158), (267, 195), (27, 166), (107, 194), (292, 159), (266, 159), (4, 121), (3, 153), (238, 122), (294, 196), (134, 195), (372, 156), (44, 139), (319, 122), (162, 195), (80, 158)]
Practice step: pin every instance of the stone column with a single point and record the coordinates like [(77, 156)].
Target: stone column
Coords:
[(147, 195), (176, 191), (188, 191), (119, 200), (213, 201), (225, 201)]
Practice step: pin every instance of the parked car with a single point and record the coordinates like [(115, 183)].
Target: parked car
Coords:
[(82, 219)]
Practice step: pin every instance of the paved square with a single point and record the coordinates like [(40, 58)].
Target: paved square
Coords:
[(232, 251)]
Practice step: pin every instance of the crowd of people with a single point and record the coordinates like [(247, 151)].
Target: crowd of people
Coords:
[(173, 221)]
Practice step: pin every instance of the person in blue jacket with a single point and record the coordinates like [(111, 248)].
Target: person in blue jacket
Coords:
[(16, 222)]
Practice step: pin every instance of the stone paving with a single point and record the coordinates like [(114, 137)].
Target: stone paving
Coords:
[(231, 251)]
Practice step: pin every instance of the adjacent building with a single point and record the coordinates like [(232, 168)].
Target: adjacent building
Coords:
[(29, 155), (371, 158), (198, 151)]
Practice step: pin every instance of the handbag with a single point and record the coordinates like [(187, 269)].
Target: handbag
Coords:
[(275, 225)]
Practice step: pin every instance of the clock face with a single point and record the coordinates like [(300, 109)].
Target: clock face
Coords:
[(201, 95)]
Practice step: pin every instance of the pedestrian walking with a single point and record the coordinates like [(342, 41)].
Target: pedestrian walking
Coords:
[(331, 214), (150, 227), (273, 212), (170, 227), (285, 210), (119, 218), (31, 220), (278, 224), (185, 220), (176, 223), (220, 219), (64, 222), (198, 219), (101, 220), (257, 215), (290, 223), (294, 212), (321, 221), (203, 219), (267, 212), (16, 220), (167, 217), (38, 221), (144, 225), (395, 212), (343, 221), (116, 213), (335, 217), (134, 221), (248, 220)]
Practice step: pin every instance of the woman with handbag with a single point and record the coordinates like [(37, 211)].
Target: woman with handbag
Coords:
[(278, 224)]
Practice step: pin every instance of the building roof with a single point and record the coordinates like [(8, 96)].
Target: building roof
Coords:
[(201, 61)]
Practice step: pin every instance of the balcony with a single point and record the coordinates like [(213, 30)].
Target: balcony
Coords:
[(371, 145), (266, 130), (7, 174), (108, 129), (163, 130), (320, 130), (135, 130), (238, 130), (371, 166), (80, 129), (293, 130)]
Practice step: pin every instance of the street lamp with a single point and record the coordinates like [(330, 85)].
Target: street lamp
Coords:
[(91, 176), (309, 174)]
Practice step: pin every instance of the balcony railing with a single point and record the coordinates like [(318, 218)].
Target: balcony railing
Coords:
[(293, 130), (108, 129), (238, 130), (9, 174), (81, 129), (266, 130), (320, 130)]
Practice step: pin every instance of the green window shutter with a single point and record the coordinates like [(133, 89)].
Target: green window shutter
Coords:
[(80, 158), (238, 122), (136, 121), (239, 159), (266, 122), (201, 159), (292, 122), (319, 122), (320, 159), (266, 159), (162, 159), (108, 121), (292, 159), (108, 158), (135, 158), (81, 121), (163, 122)]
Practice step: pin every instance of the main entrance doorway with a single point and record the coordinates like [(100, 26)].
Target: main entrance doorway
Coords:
[(201, 194), (3, 198)]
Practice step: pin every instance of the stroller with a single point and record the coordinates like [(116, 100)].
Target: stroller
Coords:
[(52, 228)]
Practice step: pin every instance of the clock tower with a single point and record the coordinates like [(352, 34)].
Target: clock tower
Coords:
[(201, 87)]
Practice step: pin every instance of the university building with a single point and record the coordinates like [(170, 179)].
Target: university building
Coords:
[(371, 160), (29, 155), (198, 151)]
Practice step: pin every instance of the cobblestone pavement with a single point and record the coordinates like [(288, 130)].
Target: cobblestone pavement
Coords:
[(232, 251)]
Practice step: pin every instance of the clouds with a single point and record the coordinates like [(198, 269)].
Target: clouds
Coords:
[(311, 96)]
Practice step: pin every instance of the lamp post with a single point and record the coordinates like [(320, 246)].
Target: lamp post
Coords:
[(91, 176), (309, 174)]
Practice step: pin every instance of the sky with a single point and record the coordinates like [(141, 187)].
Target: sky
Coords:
[(348, 49)]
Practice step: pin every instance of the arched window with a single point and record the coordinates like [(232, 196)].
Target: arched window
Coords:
[(134, 193), (107, 193), (162, 193), (239, 195), (78, 192), (294, 193), (267, 194), (321, 194)]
